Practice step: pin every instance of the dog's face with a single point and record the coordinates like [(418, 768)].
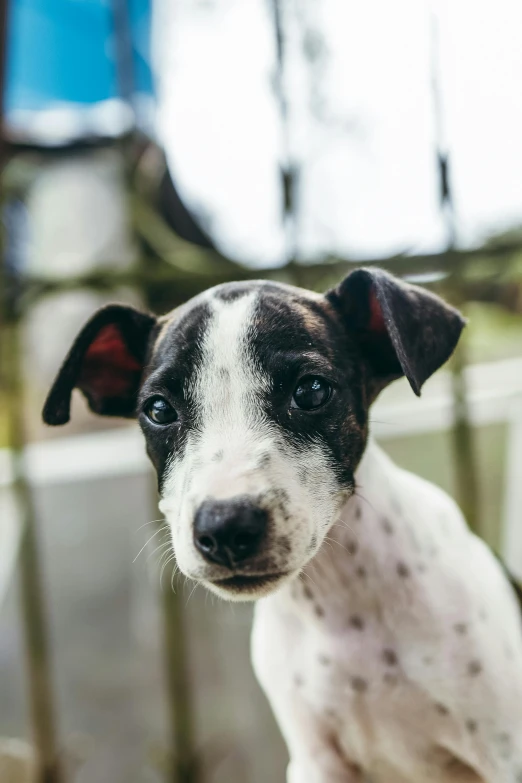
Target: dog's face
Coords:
[(253, 399), (255, 419)]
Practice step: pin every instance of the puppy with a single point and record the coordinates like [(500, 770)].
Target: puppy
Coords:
[(386, 636)]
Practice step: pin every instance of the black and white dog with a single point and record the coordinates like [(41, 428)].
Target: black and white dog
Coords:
[(386, 636)]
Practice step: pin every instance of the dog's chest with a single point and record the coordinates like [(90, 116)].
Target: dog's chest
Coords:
[(387, 645)]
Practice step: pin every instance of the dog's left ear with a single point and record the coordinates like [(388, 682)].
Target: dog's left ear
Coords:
[(401, 329), (105, 362)]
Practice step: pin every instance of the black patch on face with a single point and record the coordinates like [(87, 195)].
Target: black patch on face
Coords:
[(352, 547), (290, 337), (170, 371), (361, 572)]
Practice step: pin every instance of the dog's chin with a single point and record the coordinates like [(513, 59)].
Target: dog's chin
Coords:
[(247, 588)]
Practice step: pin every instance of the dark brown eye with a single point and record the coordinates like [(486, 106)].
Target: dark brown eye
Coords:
[(159, 411), (311, 392)]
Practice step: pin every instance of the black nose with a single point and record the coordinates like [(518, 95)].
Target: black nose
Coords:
[(229, 531)]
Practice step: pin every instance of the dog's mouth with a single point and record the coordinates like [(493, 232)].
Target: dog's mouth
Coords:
[(248, 585)]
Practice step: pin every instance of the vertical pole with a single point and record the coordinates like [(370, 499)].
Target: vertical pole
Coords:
[(289, 173), (468, 489), (31, 589), (184, 762), (464, 449)]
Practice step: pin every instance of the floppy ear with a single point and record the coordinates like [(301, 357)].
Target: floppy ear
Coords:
[(105, 362), (401, 329)]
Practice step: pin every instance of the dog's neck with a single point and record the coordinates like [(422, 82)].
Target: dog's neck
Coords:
[(349, 563)]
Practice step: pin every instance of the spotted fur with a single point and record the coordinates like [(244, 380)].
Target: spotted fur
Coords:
[(387, 637)]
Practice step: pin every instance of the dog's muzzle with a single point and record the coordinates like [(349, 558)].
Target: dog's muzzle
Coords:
[(230, 532)]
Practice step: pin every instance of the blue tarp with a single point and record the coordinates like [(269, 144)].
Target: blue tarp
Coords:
[(62, 54)]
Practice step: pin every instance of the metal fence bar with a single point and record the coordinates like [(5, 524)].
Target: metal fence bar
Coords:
[(31, 587)]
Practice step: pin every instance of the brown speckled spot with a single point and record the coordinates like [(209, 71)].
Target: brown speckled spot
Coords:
[(223, 373), (387, 526), (389, 657), (284, 545), (441, 708), (307, 592), (361, 572), (359, 684), (471, 726), (352, 547), (319, 610), (474, 668), (403, 570), (461, 629), (356, 622)]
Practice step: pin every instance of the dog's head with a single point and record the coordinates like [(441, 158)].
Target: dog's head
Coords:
[(253, 399)]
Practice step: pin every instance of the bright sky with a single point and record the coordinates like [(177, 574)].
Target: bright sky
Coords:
[(362, 120)]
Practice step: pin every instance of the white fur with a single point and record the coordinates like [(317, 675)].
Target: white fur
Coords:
[(409, 678), (392, 652)]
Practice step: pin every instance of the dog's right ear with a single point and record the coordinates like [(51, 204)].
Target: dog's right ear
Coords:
[(401, 329), (105, 362)]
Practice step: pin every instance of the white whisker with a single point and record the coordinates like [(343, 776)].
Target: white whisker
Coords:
[(160, 530)]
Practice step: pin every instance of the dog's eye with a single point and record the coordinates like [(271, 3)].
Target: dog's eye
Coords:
[(159, 411), (311, 392)]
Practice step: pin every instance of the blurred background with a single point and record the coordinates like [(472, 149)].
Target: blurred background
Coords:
[(149, 150)]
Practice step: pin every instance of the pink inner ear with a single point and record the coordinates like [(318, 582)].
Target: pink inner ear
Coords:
[(376, 323), (109, 369)]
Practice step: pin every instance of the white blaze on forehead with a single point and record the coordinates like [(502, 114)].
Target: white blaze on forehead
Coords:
[(227, 382), (221, 456)]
